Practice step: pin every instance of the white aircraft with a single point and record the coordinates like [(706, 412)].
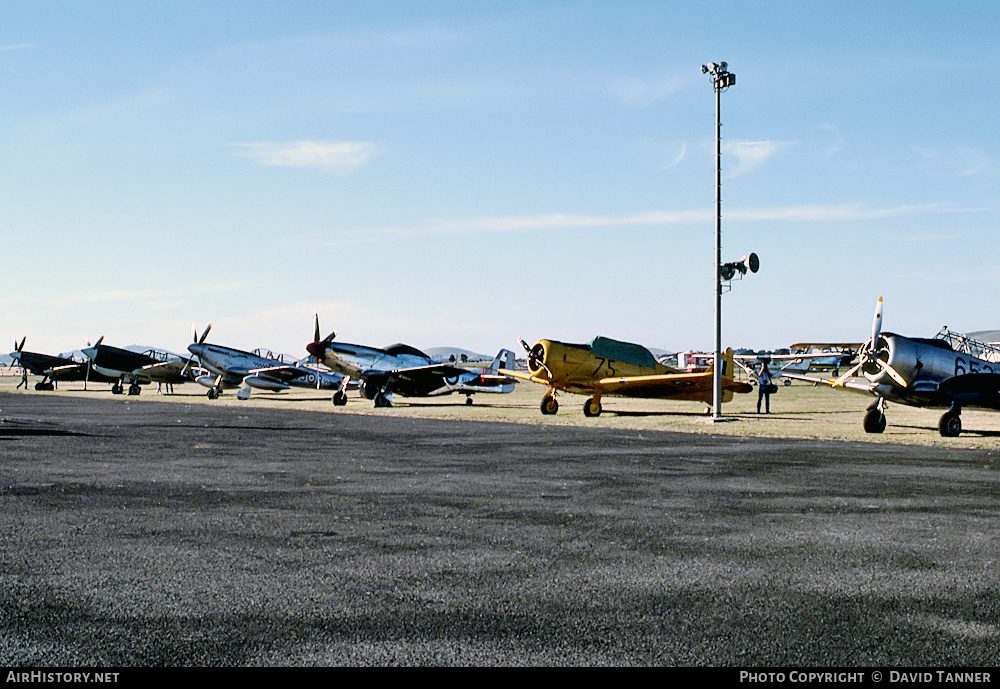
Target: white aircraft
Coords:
[(948, 371), (408, 371), (230, 368), (802, 358)]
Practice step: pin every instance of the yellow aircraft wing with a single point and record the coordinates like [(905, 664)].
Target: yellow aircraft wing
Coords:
[(667, 385), (524, 376)]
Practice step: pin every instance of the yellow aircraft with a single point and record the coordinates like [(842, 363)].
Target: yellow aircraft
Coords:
[(608, 367)]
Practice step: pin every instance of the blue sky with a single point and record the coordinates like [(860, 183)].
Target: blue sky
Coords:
[(466, 173)]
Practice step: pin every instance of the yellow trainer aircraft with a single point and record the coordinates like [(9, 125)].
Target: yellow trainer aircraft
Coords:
[(608, 367)]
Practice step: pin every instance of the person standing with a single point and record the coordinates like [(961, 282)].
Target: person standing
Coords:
[(764, 388)]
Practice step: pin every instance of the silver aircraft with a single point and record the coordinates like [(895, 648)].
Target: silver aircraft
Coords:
[(947, 371), (229, 368), (405, 370)]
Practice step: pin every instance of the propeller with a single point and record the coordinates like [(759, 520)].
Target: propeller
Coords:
[(197, 340), (316, 334), (19, 347), (868, 354), (536, 356)]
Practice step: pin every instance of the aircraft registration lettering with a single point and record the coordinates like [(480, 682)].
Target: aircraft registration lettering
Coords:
[(610, 370), (973, 366)]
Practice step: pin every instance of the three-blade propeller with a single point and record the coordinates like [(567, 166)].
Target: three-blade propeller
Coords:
[(197, 340), (868, 354)]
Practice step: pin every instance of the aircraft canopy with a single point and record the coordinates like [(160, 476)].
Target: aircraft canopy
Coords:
[(625, 352)]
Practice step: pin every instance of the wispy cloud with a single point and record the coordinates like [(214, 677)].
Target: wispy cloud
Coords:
[(632, 91), (836, 143), (750, 155), (16, 46), (151, 296), (337, 156), (954, 161), (677, 158), (560, 221)]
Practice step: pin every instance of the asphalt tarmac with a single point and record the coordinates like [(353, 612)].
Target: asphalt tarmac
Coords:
[(151, 533)]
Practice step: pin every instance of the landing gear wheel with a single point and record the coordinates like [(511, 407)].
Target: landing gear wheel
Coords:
[(134, 389), (213, 394), (950, 425), (468, 401), (874, 421), (116, 389), (339, 399), (549, 405), (382, 401), (591, 408)]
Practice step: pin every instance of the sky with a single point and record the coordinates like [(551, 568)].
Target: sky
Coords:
[(467, 173)]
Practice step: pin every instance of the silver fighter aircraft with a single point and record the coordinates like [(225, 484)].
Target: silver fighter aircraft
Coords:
[(229, 368), (408, 371), (947, 371)]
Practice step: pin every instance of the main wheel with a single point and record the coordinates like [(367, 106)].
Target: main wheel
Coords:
[(382, 401), (339, 399), (134, 389), (591, 408), (549, 405), (950, 425), (468, 401), (874, 421)]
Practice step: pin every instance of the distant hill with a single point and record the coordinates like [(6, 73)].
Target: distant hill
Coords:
[(985, 335)]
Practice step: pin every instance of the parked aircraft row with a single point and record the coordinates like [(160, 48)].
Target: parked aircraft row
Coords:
[(948, 371)]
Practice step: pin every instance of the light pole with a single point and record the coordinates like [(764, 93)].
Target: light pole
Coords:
[(722, 79)]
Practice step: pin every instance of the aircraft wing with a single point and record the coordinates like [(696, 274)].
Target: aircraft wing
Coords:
[(66, 369), (972, 383), (524, 376), (667, 384), (282, 374), (788, 357), (161, 370), (855, 346), (852, 385), (420, 373)]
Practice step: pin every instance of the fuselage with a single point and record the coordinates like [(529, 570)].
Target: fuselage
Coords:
[(405, 370), (126, 364), (42, 364), (934, 373), (577, 367), (360, 360), (238, 367)]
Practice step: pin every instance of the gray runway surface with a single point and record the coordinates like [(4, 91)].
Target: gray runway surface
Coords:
[(146, 533)]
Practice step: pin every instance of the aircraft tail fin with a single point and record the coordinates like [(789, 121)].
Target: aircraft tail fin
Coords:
[(727, 363), (504, 359)]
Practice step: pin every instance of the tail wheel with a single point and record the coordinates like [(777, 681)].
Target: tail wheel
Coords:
[(549, 405)]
